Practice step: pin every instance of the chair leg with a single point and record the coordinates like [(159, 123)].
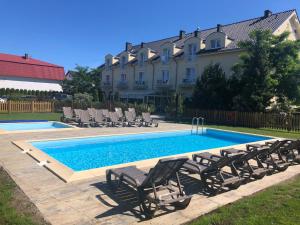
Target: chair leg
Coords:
[(147, 207)]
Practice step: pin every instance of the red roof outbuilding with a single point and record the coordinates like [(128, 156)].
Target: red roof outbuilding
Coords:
[(24, 66)]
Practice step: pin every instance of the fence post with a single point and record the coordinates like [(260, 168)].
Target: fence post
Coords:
[(32, 106), (52, 105), (235, 117), (9, 106)]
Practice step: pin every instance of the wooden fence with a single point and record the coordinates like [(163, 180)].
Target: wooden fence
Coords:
[(26, 106), (290, 122)]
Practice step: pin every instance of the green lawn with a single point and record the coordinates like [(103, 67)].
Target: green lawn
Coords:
[(31, 116), (279, 204), (261, 131), (15, 208), (276, 205)]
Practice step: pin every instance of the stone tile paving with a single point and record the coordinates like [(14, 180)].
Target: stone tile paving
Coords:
[(91, 201)]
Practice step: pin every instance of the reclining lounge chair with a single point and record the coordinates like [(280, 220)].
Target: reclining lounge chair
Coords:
[(154, 189), (119, 111), (148, 121), (92, 112), (242, 165), (294, 151), (99, 119), (290, 150), (211, 171), (273, 157), (85, 119), (77, 113), (105, 113), (130, 121), (68, 115), (115, 121)]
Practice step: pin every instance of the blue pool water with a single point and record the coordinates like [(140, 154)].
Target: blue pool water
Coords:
[(88, 153), (32, 126)]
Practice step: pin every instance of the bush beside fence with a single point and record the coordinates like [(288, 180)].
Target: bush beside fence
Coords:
[(283, 121)]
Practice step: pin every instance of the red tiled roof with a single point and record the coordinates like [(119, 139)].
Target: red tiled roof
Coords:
[(19, 66)]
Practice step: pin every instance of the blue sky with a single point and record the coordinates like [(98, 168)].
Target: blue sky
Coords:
[(69, 32)]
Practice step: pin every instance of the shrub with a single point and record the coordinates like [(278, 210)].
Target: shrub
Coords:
[(83, 100)]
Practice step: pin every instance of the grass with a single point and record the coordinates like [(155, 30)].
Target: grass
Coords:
[(15, 207), (261, 131), (31, 116), (279, 204), (276, 205)]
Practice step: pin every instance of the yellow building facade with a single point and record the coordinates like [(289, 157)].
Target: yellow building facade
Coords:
[(175, 63)]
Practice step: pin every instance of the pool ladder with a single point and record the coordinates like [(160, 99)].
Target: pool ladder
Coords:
[(196, 123)]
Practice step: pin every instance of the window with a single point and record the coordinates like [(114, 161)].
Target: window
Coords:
[(166, 55), (123, 62), (190, 74), (107, 79), (123, 77), (215, 43), (142, 59), (141, 77), (192, 48), (165, 76)]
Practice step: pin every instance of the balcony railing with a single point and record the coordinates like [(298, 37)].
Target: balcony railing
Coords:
[(187, 83), (163, 84), (106, 85), (122, 85), (140, 85)]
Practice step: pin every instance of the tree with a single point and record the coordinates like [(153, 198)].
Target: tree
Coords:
[(84, 80), (211, 90), (265, 70), (83, 100), (175, 106), (96, 75)]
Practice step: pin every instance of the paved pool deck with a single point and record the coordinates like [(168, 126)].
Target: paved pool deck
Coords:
[(90, 201)]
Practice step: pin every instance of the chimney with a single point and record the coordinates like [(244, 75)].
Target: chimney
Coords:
[(219, 28), (142, 44), (267, 13), (181, 34), (197, 32), (26, 56), (128, 46)]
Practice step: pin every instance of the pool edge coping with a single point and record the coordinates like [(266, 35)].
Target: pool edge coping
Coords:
[(69, 175), (71, 127)]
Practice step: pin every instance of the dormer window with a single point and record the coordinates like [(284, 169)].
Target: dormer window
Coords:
[(192, 48), (123, 62), (215, 43), (142, 58), (165, 55)]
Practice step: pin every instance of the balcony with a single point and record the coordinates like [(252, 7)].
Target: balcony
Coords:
[(122, 85), (187, 83), (140, 85), (163, 84), (107, 85)]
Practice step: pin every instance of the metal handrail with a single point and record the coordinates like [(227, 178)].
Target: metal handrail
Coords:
[(197, 124)]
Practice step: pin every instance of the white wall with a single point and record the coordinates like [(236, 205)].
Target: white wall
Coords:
[(29, 83)]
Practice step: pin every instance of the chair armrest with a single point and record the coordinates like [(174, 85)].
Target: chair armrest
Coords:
[(230, 151), (134, 181), (208, 157)]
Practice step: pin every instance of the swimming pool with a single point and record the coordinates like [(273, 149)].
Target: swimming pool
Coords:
[(23, 126), (96, 152)]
